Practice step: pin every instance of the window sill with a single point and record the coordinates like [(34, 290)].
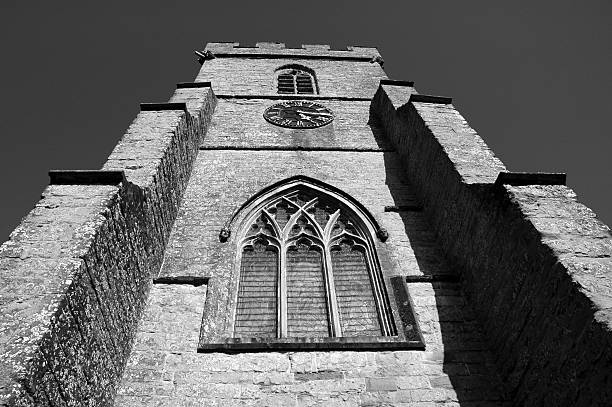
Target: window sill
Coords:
[(357, 343)]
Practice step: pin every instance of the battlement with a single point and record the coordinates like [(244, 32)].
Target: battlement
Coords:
[(279, 50)]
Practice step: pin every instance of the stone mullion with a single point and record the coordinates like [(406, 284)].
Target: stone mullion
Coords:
[(282, 277), (332, 301), (282, 292)]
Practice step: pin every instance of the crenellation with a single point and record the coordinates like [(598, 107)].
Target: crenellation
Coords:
[(270, 45), (275, 49), (316, 47), (363, 49)]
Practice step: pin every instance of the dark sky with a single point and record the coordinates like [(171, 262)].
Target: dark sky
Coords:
[(533, 78)]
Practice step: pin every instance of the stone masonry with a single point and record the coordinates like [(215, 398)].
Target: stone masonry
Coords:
[(113, 278)]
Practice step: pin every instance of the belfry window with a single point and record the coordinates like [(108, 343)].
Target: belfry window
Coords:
[(308, 269), (295, 81)]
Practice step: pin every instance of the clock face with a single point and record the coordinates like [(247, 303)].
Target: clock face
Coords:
[(298, 114)]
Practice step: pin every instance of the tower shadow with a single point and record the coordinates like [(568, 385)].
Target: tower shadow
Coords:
[(457, 358)]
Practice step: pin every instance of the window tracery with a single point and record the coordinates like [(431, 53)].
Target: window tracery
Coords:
[(308, 268)]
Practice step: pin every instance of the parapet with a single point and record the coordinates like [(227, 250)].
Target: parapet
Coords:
[(279, 50)]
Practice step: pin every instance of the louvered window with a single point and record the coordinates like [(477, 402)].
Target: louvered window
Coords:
[(308, 270), (295, 81)]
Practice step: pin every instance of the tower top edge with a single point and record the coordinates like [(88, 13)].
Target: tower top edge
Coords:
[(279, 48)]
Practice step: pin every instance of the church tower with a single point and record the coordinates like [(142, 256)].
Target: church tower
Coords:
[(293, 228)]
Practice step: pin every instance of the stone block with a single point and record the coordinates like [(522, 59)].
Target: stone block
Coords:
[(381, 384)]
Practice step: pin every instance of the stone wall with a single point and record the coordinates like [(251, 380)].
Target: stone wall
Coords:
[(255, 76), (222, 180), (242, 154), (349, 130), (535, 262), (76, 272), (166, 370), (42, 271)]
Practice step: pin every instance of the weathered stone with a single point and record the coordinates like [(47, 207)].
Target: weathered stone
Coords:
[(80, 268), (534, 261)]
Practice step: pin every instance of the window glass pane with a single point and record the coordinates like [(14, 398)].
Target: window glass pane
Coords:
[(256, 315), (358, 316), (306, 303)]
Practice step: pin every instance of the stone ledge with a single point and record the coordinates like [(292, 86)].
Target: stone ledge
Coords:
[(404, 307), (396, 82), (530, 178), (297, 148), (185, 280), (443, 100), (293, 97), (86, 177), (380, 343), (187, 85), (269, 45), (152, 107), (293, 55)]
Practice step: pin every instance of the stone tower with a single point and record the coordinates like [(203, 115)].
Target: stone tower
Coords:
[(293, 228)]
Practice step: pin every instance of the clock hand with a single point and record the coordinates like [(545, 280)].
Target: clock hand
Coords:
[(313, 113), (303, 117)]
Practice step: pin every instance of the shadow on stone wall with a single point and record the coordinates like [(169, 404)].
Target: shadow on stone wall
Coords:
[(453, 337)]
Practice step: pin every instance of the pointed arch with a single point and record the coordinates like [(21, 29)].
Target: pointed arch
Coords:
[(308, 249), (307, 182)]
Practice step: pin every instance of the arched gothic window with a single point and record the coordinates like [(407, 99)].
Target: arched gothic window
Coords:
[(296, 80), (308, 268)]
